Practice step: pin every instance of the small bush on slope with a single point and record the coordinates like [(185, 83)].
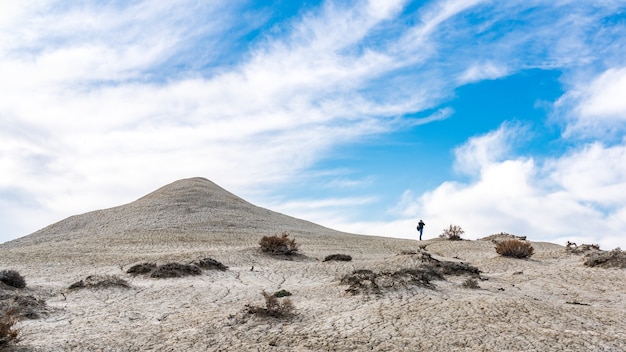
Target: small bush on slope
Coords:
[(273, 307), (369, 282), (471, 283), (210, 264), (141, 269), (338, 257), (613, 259), (515, 248), (100, 281), (279, 244), (12, 278), (175, 270), (8, 319), (452, 233), (573, 248)]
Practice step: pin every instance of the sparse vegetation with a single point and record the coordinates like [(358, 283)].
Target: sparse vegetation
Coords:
[(27, 307), (279, 245), (499, 237), (274, 307), (141, 269), (171, 270), (456, 268), (282, 293), (452, 233), (338, 257), (12, 278), (210, 264), (471, 284), (8, 333), (612, 259), (515, 249), (368, 282), (571, 247), (100, 281)]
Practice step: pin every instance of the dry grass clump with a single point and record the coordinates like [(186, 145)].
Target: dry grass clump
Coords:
[(368, 282), (515, 249), (448, 267), (279, 245), (27, 307), (452, 233), (171, 270), (141, 269), (471, 284), (338, 257), (274, 307), (612, 259), (12, 278), (8, 333), (571, 247), (100, 281), (210, 264), (498, 237), (282, 293)]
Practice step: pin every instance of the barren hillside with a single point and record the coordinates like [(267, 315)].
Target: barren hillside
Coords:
[(550, 302)]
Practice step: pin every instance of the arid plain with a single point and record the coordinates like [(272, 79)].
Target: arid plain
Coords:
[(549, 302)]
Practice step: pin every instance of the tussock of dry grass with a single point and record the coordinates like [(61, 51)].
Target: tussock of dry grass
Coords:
[(100, 281), (274, 307), (613, 259), (8, 333), (210, 264), (141, 269), (452, 233), (172, 270), (12, 278), (338, 257), (571, 247), (279, 244), (368, 282), (515, 249)]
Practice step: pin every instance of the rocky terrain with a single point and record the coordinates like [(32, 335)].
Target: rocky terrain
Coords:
[(393, 295)]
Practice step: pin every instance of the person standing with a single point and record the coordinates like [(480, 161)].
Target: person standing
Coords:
[(420, 228)]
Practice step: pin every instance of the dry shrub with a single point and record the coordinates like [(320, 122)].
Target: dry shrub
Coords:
[(100, 281), (210, 264), (368, 282), (456, 268), (282, 293), (8, 319), (448, 267), (279, 244), (571, 247), (452, 233), (171, 270), (471, 284), (27, 307), (515, 249), (498, 237), (612, 259), (12, 278), (338, 257), (141, 269), (274, 307)]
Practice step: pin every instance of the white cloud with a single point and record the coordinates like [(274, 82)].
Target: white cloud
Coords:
[(577, 196), (479, 152), (479, 72), (596, 108)]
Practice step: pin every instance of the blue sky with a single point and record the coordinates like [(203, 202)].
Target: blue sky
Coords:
[(363, 116)]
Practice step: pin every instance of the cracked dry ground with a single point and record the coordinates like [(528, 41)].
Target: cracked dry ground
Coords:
[(521, 305)]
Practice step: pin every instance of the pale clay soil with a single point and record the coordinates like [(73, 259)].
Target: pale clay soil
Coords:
[(521, 305)]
